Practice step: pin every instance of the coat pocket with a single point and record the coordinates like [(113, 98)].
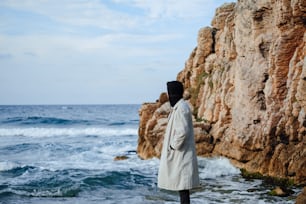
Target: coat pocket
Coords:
[(170, 154)]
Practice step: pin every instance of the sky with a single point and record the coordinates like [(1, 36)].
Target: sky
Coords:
[(96, 51)]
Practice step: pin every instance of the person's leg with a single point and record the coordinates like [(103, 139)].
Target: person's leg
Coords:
[(184, 196)]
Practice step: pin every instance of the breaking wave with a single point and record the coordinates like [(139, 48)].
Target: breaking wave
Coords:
[(51, 132)]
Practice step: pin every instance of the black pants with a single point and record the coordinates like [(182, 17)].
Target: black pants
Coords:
[(185, 197)]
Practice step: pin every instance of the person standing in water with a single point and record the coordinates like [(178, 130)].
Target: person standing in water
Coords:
[(178, 170)]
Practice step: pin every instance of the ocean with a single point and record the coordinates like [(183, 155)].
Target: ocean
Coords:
[(64, 154)]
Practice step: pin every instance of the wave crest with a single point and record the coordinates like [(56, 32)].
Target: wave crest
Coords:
[(51, 132), (6, 166), (59, 192), (36, 120), (211, 168)]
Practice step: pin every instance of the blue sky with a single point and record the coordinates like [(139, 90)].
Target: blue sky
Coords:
[(95, 51)]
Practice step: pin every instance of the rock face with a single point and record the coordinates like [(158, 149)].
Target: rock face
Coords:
[(247, 84), (301, 199)]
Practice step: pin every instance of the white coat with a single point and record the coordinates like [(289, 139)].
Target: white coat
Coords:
[(178, 168)]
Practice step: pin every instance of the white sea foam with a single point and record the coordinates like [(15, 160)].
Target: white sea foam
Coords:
[(7, 165), (50, 132), (210, 168)]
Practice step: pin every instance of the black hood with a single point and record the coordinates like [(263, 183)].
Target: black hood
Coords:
[(175, 91)]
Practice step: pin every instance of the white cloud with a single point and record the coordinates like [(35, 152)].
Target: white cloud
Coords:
[(127, 45), (76, 12), (174, 8), (97, 13)]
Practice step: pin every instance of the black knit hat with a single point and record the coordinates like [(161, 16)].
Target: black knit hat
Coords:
[(175, 88)]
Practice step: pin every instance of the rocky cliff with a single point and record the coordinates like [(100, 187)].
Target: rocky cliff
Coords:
[(246, 84)]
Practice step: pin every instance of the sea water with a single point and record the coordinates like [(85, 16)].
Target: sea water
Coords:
[(65, 154)]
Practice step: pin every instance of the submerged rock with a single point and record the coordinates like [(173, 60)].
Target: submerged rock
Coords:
[(118, 158), (282, 192), (301, 199)]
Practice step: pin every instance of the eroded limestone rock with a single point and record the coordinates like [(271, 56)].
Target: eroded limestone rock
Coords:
[(247, 84)]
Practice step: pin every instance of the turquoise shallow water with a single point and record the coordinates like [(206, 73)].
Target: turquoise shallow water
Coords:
[(65, 154)]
